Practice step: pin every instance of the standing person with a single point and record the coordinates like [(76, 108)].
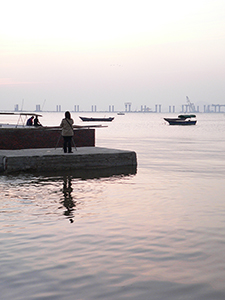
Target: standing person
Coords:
[(30, 121), (67, 131)]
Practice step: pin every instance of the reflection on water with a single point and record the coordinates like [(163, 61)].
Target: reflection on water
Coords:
[(153, 234), (68, 201), (46, 189)]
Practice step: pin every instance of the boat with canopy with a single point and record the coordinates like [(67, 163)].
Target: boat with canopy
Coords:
[(20, 136), (182, 120)]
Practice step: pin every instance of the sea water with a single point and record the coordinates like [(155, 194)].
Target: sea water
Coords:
[(155, 233)]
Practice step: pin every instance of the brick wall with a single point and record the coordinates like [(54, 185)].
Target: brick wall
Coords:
[(41, 137)]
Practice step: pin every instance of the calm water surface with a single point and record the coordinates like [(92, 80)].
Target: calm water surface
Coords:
[(158, 233)]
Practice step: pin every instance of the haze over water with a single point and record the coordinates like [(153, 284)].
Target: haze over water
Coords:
[(157, 233), (109, 52)]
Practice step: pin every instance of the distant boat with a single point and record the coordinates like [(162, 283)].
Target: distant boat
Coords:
[(21, 122), (86, 119), (120, 113), (182, 120)]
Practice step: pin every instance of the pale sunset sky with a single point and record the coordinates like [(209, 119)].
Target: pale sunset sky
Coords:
[(107, 52)]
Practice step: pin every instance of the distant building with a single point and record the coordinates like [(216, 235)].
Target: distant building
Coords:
[(38, 107), (76, 108), (172, 110), (111, 108), (93, 108), (127, 106), (58, 108)]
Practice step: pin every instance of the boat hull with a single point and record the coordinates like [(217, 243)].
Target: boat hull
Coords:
[(179, 121), (86, 119), (42, 137)]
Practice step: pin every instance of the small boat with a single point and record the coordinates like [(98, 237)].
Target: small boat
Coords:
[(21, 122), (86, 119), (20, 136), (182, 120), (120, 113)]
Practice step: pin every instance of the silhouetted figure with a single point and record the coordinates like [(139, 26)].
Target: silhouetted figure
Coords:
[(36, 122), (67, 132), (68, 199), (30, 121)]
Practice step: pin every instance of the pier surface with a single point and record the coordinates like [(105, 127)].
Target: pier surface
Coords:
[(50, 159)]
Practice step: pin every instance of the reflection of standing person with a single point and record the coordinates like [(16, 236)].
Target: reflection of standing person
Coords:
[(67, 132), (68, 199)]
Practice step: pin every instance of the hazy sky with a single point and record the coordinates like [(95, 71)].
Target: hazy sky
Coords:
[(103, 52)]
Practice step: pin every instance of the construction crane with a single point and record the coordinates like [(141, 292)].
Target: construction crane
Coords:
[(43, 105), (190, 105)]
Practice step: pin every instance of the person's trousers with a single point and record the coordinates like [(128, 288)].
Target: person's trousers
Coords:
[(67, 144)]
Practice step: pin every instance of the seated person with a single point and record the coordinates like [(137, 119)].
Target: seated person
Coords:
[(30, 121), (36, 122)]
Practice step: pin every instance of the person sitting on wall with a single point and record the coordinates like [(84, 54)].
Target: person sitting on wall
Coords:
[(36, 122), (30, 121)]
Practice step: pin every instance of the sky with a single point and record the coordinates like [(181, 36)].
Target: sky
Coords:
[(105, 52)]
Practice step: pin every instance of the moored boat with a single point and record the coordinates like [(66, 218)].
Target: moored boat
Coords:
[(120, 113), (21, 122), (182, 120), (91, 119), (21, 136)]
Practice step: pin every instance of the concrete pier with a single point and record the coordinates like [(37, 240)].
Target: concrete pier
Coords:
[(50, 159)]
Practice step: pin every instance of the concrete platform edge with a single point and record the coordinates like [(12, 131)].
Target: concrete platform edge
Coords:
[(55, 160)]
